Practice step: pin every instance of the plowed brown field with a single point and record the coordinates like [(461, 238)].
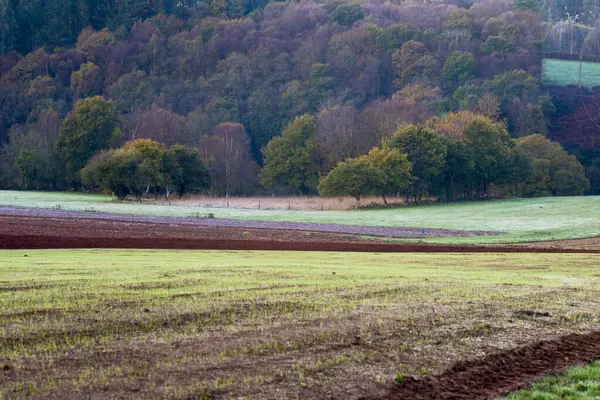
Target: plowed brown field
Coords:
[(476, 379), (18, 232)]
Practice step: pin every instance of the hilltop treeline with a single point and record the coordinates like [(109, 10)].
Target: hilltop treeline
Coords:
[(231, 78)]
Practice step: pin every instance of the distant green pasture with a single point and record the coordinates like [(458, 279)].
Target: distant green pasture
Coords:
[(565, 72)]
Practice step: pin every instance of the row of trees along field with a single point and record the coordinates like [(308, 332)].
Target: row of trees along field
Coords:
[(460, 155), (244, 82)]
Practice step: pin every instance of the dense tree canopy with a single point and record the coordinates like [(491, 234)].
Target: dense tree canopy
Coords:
[(293, 87), (143, 165), (186, 171), (355, 177), (458, 69), (288, 158), (553, 170), (426, 151), (384, 170), (87, 130)]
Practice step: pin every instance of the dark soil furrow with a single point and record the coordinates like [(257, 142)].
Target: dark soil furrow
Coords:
[(501, 372)]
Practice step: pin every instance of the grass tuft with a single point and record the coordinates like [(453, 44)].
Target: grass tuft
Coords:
[(577, 383)]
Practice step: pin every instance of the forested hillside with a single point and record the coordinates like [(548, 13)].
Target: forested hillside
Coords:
[(275, 95)]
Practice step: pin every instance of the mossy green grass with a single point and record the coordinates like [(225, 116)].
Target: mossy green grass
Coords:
[(577, 383)]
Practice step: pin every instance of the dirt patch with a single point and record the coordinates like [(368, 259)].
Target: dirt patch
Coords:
[(502, 372), (533, 314), (592, 243)]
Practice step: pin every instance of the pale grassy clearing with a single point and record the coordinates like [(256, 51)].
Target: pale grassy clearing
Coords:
[(285, 203), (565, 72), (265, 203), (174, 324), (521, 220)]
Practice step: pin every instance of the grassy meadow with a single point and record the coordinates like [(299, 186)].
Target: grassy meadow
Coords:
[(565, 72), (202, 324), (521, 220)]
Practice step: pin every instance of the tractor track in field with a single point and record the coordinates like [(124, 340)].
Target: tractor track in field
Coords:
[(500, 373)]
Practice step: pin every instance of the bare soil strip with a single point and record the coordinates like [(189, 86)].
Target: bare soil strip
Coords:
[(502, 372), (589, 243), (62, 242)]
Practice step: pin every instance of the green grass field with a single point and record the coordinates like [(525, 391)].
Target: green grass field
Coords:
[(564, 73), (521, 220), (577, 383), (174, 324)]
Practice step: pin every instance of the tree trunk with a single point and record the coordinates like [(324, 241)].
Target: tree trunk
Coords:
[(470, 190), (418, 194)]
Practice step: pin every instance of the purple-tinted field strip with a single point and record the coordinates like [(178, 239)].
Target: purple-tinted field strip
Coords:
[(380, 231)]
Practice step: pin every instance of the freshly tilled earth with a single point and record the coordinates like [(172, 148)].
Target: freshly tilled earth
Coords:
[(501, 372)]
